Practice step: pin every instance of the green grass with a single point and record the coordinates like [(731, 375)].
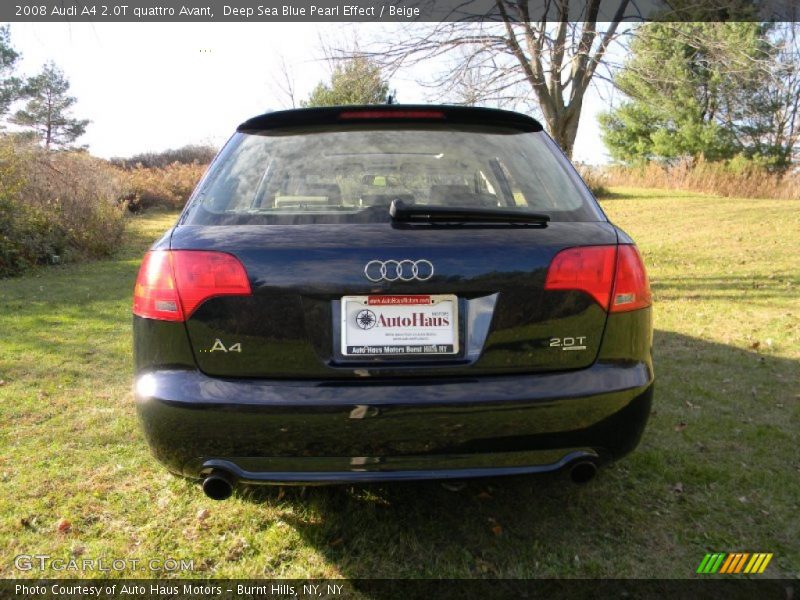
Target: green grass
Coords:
[(718, 468)]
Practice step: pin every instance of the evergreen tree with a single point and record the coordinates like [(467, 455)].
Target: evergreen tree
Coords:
[(355, 81), (693, 89), (47, 112), (9, 85)]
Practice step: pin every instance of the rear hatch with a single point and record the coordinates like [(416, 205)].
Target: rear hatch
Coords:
[(290, 326), (340, 289)]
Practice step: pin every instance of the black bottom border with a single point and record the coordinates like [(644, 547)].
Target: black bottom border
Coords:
[(306, 589)]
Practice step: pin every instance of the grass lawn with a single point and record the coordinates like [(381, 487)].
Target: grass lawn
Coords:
[(718, 468)]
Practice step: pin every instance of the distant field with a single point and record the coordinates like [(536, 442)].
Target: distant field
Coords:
[(718, 468)]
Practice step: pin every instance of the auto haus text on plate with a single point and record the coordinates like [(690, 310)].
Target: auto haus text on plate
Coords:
[(343, 10)]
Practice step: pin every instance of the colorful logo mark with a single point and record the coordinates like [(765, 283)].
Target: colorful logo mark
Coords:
[(734, 562)]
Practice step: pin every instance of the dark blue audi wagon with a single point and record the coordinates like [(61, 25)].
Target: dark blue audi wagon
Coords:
[(391, 292)]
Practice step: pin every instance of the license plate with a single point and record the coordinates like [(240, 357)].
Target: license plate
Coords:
[(411, 325)]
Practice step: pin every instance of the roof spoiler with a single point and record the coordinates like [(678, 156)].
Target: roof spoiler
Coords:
[(390, 113)]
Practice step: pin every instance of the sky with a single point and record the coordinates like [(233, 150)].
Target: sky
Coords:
[(148, 87)]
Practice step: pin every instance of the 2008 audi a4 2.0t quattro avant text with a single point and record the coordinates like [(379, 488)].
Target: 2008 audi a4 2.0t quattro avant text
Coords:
[(388, 293)]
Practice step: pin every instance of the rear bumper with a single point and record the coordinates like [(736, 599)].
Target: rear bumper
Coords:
[(317, 432)]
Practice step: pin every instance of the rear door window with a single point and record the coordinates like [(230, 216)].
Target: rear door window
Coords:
[(353, 174)]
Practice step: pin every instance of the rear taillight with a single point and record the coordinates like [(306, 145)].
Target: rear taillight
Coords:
[(613, 276), (155, 295), (173, 283), (631, 288), (589, 269)]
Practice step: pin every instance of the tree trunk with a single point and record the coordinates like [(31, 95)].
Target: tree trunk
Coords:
[(49, 132), (563, 126)]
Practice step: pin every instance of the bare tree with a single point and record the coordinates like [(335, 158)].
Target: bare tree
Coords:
[(784, 92), (551, 57), (283, 79), (470, 82)]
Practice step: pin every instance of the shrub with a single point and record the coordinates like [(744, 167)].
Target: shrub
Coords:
[(21, 241), (167, 187), (55, 206), (595, 178), (187, 155), (738, 177)]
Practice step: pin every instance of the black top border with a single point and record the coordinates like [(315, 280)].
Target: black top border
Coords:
[(407, 11)]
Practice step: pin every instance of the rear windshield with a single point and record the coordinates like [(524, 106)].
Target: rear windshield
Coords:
[(352, 175)]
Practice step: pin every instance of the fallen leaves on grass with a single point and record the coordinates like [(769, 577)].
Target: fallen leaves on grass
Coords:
[(496, 528), (680, 426), (203, 514), (236, 551), (206, 564), (63, 526)]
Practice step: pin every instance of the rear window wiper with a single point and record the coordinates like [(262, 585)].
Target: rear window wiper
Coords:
[(420, 213)]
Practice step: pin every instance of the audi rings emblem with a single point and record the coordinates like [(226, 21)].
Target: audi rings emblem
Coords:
[(399, 270)]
